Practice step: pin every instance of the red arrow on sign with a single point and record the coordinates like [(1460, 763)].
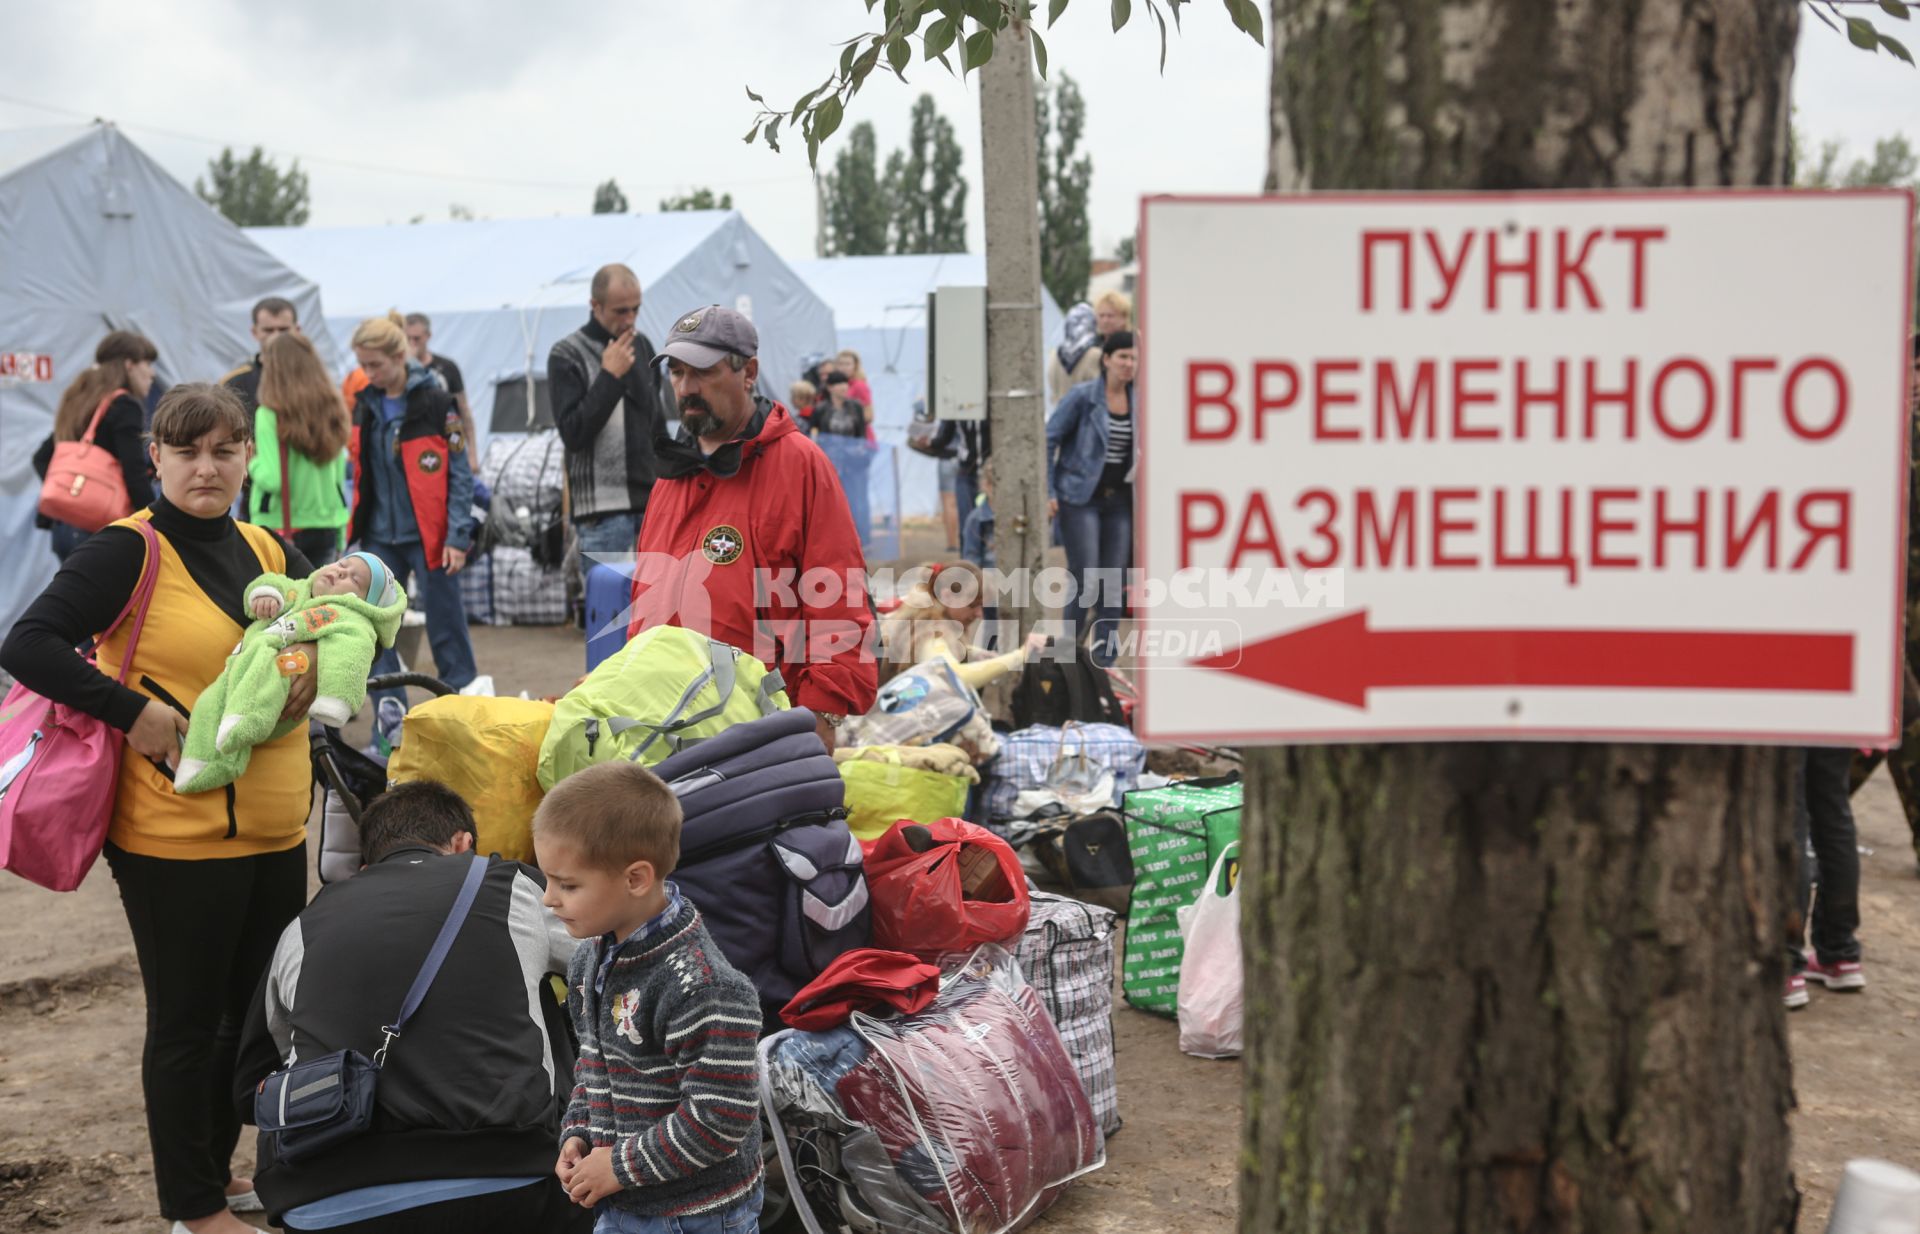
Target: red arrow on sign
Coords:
[(1343, 658)]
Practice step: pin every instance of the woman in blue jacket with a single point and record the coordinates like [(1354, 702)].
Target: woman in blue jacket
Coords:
[(1091, 455)]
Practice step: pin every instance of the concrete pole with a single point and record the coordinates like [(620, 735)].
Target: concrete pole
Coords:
[(1016, 406)]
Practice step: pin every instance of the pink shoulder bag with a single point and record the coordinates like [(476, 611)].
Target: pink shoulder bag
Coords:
[(59, 768), (84, 486)]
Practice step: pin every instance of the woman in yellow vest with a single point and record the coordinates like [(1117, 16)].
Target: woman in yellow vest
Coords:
[(208, 880)]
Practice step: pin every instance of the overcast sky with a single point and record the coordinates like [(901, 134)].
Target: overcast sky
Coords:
[(515, 109)]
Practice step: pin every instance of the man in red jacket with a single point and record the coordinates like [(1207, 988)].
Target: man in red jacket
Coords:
[(748, 538)]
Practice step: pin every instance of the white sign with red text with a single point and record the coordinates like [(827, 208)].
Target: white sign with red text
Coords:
[(1556, 466)]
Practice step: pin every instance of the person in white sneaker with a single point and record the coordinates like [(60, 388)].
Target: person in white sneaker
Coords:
[(1823, 823)]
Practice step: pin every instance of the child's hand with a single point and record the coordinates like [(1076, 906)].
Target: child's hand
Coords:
[(265, 608), (570, 1154), (592, 1180)]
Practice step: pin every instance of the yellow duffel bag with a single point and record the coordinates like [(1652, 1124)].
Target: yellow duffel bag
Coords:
[(888, 783), (488, 751)]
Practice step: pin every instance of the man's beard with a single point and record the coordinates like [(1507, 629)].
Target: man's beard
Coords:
[(698, 418)]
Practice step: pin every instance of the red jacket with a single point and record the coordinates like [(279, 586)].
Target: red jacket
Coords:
[(765, 559)]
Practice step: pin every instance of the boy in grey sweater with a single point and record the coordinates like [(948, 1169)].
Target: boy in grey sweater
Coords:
[(662, 1133)]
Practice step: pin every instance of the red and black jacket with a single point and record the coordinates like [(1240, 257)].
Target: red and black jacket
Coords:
[(433, 459)]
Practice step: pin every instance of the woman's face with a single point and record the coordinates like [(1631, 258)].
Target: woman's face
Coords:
[(847, 363), (1122, 365), (1108, 318), (387, 372), (202, 477), (140, 378)]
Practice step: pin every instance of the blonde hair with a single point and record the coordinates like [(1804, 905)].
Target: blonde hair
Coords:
[(1118, 300), (802, 394), (615, 813), (859, 372), (924, 611), (297, 388), (384, 334)]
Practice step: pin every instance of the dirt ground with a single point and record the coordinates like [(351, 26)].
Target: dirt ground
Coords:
[(73, 1149)]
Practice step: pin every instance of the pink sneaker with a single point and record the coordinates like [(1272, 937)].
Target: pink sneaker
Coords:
[(1840, 975), (1796, 996)]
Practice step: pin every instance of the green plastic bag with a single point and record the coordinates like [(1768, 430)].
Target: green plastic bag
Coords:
[(1175, 835), (665, 690), (881, 794)]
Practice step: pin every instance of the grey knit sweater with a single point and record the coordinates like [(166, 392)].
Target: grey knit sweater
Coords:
[(666, 1073)]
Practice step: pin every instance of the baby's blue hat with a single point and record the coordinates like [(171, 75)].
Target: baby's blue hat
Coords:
[(382, 591)]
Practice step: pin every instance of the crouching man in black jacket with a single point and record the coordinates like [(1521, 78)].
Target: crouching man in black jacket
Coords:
[(469, 1099)]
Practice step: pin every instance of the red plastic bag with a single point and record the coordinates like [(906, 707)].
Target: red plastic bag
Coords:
[(866, 979), (943, 886)]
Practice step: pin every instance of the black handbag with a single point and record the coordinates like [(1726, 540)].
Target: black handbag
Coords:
[(1088, 855), (307, 1107)]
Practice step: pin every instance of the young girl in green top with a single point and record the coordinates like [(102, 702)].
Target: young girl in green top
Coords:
[(299, 468)]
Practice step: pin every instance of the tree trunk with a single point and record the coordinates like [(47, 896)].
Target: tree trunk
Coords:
[(1501, 987)]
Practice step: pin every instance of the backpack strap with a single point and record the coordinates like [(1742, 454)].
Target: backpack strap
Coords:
[(770, 685), (720, 671), (286, 486)]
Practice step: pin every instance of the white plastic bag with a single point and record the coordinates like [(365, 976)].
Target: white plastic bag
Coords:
[(1211, 985)]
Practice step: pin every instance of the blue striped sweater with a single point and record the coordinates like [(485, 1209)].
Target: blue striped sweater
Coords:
[(666, 1073)]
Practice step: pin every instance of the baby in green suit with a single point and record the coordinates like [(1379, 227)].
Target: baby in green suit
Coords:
[(354, 606)]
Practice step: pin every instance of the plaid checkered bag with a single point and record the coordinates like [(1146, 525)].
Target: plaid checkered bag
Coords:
[(1067, 956), (1045, 757), (524, 592)]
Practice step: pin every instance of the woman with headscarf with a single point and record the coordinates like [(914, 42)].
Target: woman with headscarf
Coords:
[(1077, 359)]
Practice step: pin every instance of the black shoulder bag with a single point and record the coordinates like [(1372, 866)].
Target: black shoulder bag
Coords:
[(308, 1107)]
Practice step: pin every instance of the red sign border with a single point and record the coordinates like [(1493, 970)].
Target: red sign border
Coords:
[(1371, 736)]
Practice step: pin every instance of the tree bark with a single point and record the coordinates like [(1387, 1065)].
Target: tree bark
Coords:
[(1503, 988)]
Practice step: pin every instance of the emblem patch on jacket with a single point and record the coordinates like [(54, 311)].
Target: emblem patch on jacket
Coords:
[(723, 545), (429, 461), (625, 1007)]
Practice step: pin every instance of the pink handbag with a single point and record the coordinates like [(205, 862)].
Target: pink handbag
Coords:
[(85, 487), (59, 768)]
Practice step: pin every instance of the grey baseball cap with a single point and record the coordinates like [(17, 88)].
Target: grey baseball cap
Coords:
[(708, 335)]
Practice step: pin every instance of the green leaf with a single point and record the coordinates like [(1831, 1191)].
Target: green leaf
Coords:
[(826, 118), (864, 65), (1162, 23), (1122, 9), (979, 50), (846, 58), (1894, 8), (1039, 52), (986, 12), (756, 98), (800, 107), (773, 134), (899, 55), (890, 14), (753, 134), (939, 37), (1896, 47), (1861, 34), (1054, 9), (1246, 16)]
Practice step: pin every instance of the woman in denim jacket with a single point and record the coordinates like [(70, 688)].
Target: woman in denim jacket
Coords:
[(1091, 455)]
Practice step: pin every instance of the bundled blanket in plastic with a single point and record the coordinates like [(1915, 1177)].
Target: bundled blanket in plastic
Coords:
[(966, 1118)]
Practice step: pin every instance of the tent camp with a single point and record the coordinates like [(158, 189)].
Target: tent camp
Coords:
[(880, 307), (95, 237), (501, 293)]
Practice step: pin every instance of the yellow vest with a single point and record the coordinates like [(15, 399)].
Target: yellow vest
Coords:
[(182, 649)]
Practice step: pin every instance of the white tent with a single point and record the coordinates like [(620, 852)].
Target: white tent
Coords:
[(880, 306), (501, 293), (95, 237)]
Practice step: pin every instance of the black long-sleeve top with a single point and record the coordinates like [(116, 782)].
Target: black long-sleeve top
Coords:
[(122, 433), (94, 585)]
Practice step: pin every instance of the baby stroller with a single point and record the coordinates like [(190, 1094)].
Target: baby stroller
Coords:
[(349, 780)]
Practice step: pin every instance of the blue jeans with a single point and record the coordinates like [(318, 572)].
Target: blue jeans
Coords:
[(607, 534), (446, 616), (66, 538), (1098, 537), (966, 489), (851, 458), (742, 1218)]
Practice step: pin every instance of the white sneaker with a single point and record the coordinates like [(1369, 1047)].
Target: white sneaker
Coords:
[(245, 1202)]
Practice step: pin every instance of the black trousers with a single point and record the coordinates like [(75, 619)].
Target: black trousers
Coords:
[(204, 932), (321, 546), (1823, 817), (542, 1208)]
